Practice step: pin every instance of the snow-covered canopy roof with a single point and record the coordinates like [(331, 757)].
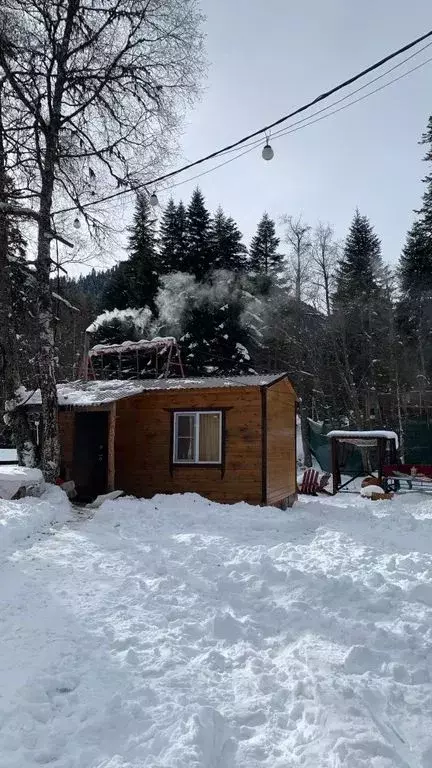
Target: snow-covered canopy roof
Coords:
[(131, 346), (93, 393), (356, 437)]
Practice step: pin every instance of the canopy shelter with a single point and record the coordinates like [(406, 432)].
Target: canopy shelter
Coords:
[(158, 358), (379, 447)]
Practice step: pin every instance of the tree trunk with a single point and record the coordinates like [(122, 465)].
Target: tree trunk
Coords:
[(327, 294), (304, 425), (340, 349), (400, 421), (50, 454), (298, 281)]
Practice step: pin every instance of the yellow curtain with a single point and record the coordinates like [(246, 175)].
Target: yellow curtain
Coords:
[(209, 437)]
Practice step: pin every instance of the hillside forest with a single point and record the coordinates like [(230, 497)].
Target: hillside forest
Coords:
[(353, 332)]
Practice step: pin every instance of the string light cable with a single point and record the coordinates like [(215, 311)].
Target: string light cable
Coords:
[(290, 129), (264, 130), (284, 131)]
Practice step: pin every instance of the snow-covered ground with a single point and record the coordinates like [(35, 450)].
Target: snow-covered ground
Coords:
[(176, 633)]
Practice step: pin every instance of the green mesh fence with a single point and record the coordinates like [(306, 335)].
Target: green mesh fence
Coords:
[(350, 457), (418, 441), (417, 446)]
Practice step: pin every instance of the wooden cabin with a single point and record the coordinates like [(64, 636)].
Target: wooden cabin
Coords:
[(229, 439)]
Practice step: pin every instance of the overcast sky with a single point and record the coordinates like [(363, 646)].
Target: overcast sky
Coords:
[(267, 57)]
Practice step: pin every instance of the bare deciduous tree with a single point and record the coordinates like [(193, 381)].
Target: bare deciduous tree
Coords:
[(298, 237), (324, 253), (99, 85)]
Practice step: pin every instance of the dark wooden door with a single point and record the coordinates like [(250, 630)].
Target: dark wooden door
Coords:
[(90, 471)]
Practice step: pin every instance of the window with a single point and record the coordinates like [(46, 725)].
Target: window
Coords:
[(198, 437)]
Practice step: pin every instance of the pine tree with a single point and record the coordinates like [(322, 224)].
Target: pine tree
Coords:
[(360, 267), (215, 341), (426, 209), (228, 251), (415, 268), (197, 257), (135, 282), (264, 257), (414, 311), (173, 238), (361, 307), (143, 267), (94, 283), (117, 293)]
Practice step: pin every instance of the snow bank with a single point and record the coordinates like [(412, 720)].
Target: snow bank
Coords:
[(23, 521), (177, 633), (14, 477)]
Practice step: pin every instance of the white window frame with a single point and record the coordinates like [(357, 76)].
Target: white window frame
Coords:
[(196, 415)]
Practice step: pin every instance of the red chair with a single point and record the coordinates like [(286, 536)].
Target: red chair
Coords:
[(310, 483)]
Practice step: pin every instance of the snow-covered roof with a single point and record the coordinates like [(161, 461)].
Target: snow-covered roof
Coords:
[(131, 346), (93, 393), (358, 435)]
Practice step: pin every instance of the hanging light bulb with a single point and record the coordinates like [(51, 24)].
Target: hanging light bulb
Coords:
[(267, 152), (154, 199), (77, 223)]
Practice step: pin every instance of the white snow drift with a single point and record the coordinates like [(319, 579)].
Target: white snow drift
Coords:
[(176, 633), (14, 477)]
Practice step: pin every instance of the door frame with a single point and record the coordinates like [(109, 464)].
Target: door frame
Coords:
[(110, 409)]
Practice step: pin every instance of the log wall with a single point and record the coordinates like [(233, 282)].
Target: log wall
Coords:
[(140, 444), (143, 445), (66, 423), (281, 480)]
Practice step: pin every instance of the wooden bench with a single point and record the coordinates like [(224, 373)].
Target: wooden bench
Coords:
[(417, 477)]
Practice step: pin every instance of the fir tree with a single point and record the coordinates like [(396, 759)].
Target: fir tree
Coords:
[(415, 268), (143, 268), (215, 342), (117, 294), (135, 282), (94, 283), (426, 209), (361, 304), (360, 267), (179, 264), (197, 257), (414, 310), (228, 251), (264, 257), (173, 238)]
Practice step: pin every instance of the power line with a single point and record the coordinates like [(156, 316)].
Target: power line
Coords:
[(290, 130), (361, 98), (282, 131), (260, 131)]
